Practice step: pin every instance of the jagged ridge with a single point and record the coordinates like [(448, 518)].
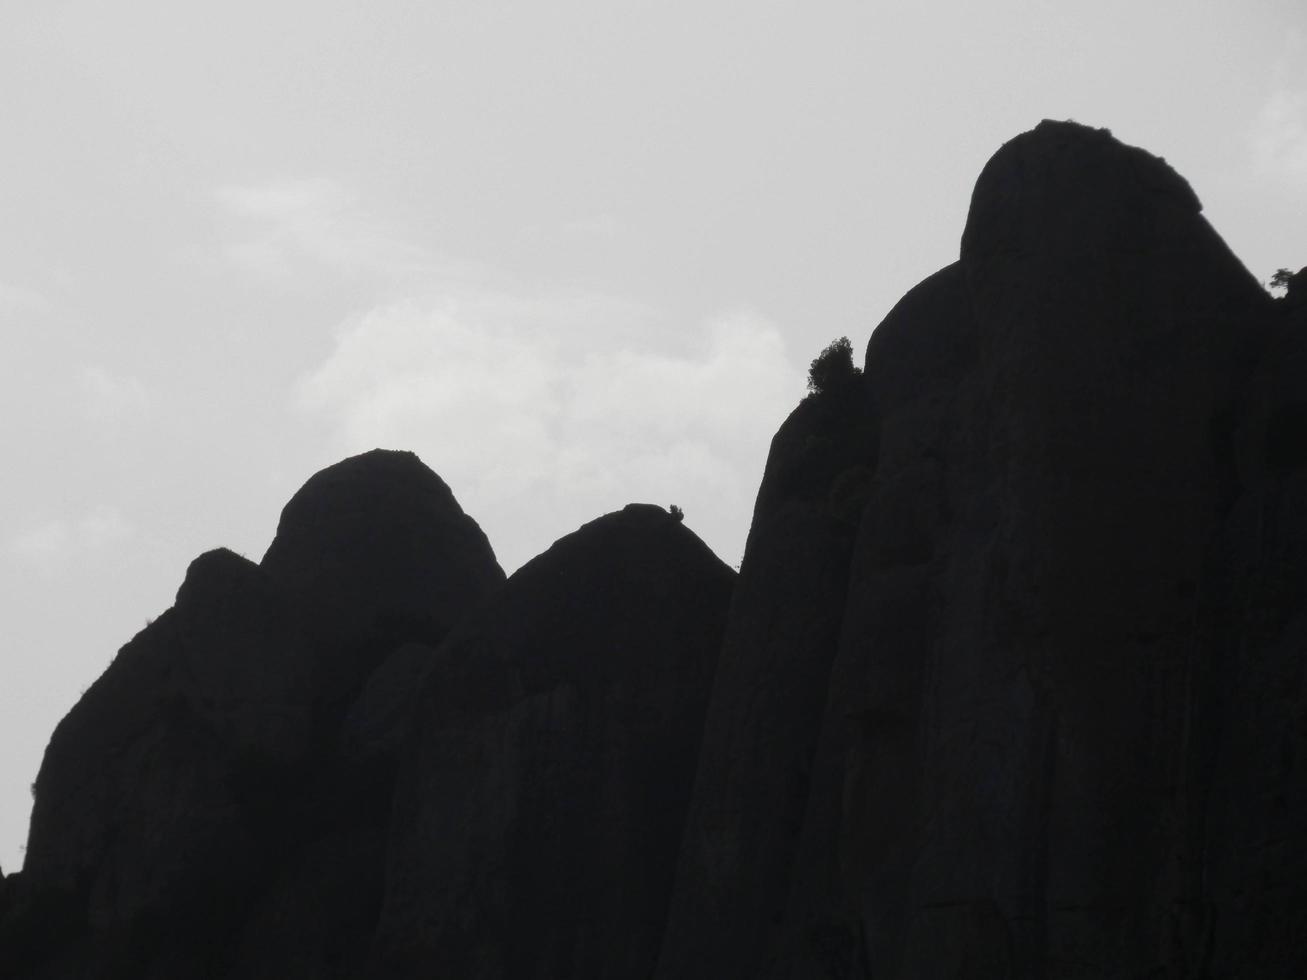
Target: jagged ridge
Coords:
[(1010, 684)]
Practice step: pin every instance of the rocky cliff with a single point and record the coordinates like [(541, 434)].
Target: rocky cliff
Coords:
[(1012, 682)]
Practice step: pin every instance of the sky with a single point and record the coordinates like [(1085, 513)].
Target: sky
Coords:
[(573, 254)]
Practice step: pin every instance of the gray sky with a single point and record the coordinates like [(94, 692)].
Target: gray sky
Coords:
[(573, 254)]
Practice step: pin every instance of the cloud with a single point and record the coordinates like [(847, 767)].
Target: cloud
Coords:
[(284, 224), (50, 546), (541, 412), (540, 418), (1278, 139)]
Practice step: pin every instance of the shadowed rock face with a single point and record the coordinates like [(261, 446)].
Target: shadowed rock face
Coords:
[(542, 795), (1012, 685), (1254, 835), (377, 723), (916, 364), (1044, 748), (194, 772), (741, 841), (137, 806), (377, 552), (1032, 688)]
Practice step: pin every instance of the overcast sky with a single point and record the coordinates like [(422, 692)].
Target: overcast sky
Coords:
[(572, 254)]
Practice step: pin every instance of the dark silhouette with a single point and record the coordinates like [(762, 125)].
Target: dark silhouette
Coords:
[(544, 789), (196, 798), (832, 367), (1038, 724), (1010, 685), (1294, 285)]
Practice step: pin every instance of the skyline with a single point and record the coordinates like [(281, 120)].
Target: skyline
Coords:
[(572, 258)]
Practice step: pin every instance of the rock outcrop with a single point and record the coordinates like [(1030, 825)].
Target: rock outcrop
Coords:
[(1045, 672), (203, 766), (542, 795), (1254, 840), (751, 792), (1037, 708), (1012, 684), (376, 552)]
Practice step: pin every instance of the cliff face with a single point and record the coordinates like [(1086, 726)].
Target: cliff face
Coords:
[(1046, 664), (1063, 716), (203, 768), (543, 791), (742, 835), (1011, 684)]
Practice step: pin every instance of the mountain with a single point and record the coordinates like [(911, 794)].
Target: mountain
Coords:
[(1012, 682)]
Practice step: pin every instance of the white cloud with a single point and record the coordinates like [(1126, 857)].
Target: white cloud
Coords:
[(400, 374), (538, 430), (51, 545), (1278, 139), (541, 412), (315, 220)]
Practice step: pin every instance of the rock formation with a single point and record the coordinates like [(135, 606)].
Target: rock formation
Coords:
[(203, 767), (1046, 676), (1011, 685), (1037, 709), (543, 791), (379, 553), (756, 764)]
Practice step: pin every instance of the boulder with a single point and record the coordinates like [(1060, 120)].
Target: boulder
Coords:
[(541, 797)]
